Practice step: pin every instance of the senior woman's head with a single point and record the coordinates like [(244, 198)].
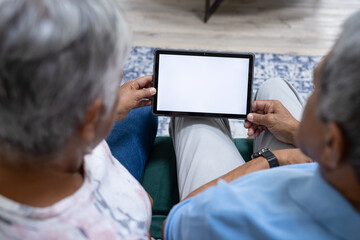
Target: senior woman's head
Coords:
[(57, 59)]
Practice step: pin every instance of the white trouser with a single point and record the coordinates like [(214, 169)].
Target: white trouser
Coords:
[(204, 147)]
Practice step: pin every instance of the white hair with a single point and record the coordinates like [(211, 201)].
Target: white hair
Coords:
[(55, 59), (339, 99)]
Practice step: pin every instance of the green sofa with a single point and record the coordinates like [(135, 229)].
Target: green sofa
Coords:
[(160, 178)]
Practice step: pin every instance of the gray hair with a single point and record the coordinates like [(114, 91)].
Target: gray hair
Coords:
[(339, 99), (54, 60)]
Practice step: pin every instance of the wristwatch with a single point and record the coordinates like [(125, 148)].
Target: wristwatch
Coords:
[(268, 155)]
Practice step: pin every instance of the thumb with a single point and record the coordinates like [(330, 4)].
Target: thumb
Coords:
[(145, 93), (259, 119)]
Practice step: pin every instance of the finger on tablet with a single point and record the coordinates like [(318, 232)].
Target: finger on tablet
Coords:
[(261, 105), (144, 81), (145, 93), (259, 119), (150, 84), (260, 112)]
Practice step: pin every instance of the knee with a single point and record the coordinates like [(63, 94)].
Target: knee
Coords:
[(273, 83), (145, 116), (270, 87), (139, 119)]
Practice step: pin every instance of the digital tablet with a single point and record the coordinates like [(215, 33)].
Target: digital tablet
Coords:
[(203, 84)]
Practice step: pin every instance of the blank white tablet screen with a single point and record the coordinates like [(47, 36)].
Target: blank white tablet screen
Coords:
[(202, 84)]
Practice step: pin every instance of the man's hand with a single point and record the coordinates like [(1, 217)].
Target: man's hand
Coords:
[(273, 116), (134, 94)]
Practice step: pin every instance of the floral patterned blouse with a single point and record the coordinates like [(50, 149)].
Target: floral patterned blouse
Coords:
[(110, 204)]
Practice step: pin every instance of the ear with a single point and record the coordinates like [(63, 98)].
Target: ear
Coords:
[(88, 127), (334, 147)]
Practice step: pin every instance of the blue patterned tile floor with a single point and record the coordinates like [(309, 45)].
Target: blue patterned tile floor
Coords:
[(298, 70)]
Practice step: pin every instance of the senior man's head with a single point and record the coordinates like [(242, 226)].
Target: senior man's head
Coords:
[(56, 59), (330, 128)]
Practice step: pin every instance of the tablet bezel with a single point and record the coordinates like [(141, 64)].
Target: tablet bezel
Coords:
[(157, 53)]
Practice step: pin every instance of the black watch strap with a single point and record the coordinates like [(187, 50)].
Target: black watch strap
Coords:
[(268, 155)]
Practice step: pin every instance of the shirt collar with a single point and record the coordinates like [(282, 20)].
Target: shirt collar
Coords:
[(326, 205)]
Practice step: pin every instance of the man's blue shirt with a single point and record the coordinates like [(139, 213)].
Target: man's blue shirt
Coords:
[(292, 202)]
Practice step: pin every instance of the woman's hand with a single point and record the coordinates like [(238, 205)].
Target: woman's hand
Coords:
[(134, 94), (273, 116)]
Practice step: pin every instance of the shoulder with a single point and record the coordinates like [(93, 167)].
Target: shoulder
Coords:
[(112, 177), (116, 191), (233, 208), (101, 164)]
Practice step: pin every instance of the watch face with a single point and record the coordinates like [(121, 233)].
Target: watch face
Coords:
[(263, 150), (259, 153), (267, 154)]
